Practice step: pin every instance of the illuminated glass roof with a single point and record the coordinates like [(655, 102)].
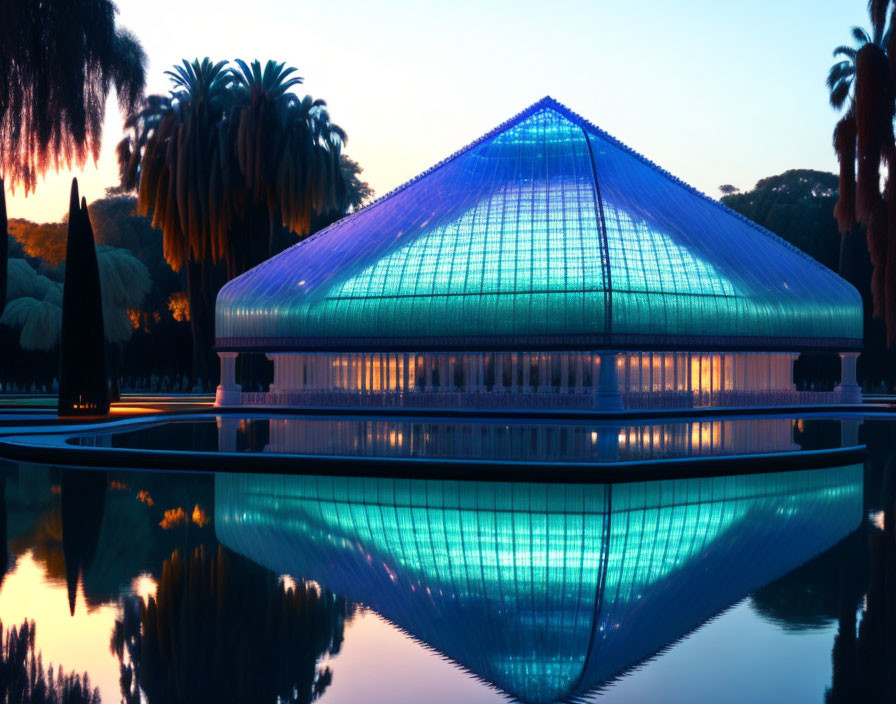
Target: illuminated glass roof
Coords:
[(546, 232), (546, 591)]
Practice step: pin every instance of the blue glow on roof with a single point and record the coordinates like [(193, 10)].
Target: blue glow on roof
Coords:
[(546, 229)]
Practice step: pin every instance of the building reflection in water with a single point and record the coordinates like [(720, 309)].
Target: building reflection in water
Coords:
[(545, 591), (514, 440)]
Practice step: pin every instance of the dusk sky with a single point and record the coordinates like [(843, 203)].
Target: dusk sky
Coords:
[(715, 92)]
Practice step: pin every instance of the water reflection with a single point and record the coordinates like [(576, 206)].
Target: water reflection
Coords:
[(544, 591), (24, 679), (221, 628), (124, 576), (82, 502), (548, 592), (851, 586), (486, 439)]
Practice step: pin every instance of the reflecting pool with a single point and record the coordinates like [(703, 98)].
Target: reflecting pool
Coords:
[(246, 586), (482, 439)]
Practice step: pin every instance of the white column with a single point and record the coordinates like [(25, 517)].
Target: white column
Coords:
[(849, 431), (427, 371), (227, 432), (606, 395), (499, 372), (228, 392), (849, 389)]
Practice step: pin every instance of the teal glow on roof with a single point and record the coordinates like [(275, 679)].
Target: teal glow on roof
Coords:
[(545, 232), (547, 591)]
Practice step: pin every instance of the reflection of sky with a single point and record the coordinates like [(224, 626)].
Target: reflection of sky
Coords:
[(79, 642), (737, 658), (380, 665)]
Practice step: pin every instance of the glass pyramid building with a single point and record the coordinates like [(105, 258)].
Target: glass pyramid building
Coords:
[(511, 273)]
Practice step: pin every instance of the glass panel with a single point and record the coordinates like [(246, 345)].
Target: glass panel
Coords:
[(505, 239)]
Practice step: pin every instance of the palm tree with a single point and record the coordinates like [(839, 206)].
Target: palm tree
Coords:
[(863, 82), (841, 76), (224, 163), (172, 156), (288, 154)]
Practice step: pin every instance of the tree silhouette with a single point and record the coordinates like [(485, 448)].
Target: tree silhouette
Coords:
[(58, 61), (864, 81), (23, 679), (83, 499), (4, 247), (82, 377), (227, 164), (223, 629)]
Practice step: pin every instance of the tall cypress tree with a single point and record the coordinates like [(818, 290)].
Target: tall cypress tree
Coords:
[(82, 363)]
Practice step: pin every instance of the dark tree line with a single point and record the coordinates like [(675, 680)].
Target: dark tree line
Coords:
[(797, 206)]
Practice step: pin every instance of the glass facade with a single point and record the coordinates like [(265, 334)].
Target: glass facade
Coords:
[(546, 234), (546, 591), (549, 379)]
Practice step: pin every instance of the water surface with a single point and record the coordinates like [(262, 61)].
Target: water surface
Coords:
[(177, 587)]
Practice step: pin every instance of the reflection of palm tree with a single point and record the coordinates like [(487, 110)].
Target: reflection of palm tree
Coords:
[(876, 643), (223, 629), (864, 659), (83, 495)]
